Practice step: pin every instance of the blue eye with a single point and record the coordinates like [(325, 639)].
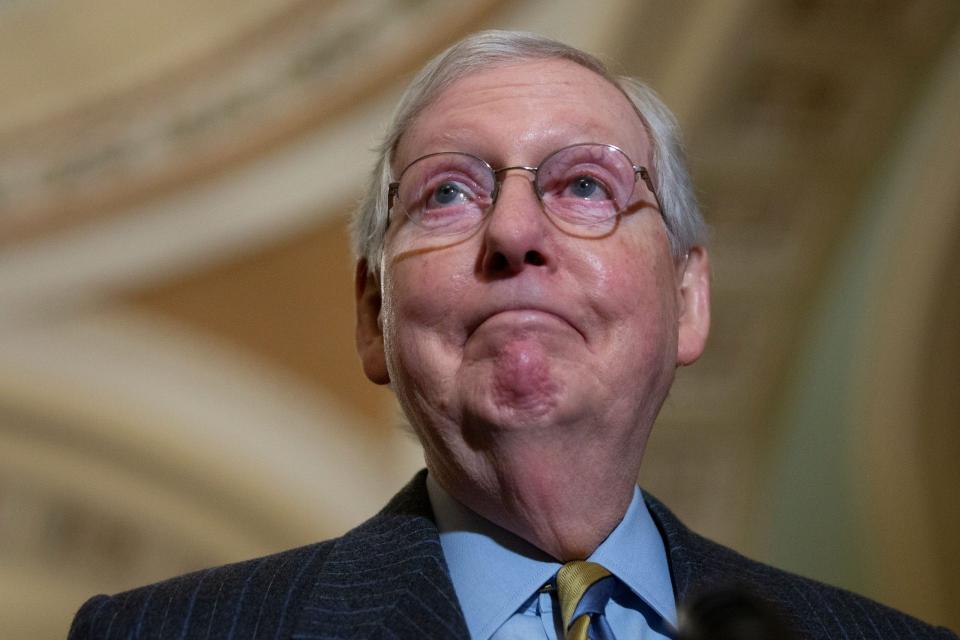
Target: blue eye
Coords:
[(583, 186), (447, 193)]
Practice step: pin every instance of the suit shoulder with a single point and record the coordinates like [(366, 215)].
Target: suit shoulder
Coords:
[(811, 608), (814, 609), (234, 599)]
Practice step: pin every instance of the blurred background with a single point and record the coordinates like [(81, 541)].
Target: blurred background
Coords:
[(178, 385)]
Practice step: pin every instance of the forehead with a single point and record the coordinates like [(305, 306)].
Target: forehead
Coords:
[(518, 113)]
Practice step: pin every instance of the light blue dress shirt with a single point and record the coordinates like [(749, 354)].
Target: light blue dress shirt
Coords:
[(498, 576)]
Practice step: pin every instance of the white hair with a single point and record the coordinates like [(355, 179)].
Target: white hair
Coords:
[(489, 49)]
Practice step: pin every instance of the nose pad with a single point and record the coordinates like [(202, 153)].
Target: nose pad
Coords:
[(530, 177), (529, 173), (515, 236)]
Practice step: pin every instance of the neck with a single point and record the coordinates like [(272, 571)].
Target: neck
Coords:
[(566, 507)]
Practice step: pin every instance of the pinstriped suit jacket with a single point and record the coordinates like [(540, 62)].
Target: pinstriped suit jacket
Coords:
[(387, 579)]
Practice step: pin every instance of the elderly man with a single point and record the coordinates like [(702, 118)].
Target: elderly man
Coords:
[(531, 273)]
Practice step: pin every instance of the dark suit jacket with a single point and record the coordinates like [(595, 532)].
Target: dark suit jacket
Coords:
[(388, 579)]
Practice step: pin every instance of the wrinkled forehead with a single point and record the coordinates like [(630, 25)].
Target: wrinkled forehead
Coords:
[(516, 113)]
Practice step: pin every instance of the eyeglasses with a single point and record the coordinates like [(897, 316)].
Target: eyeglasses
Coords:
[(585, 186)]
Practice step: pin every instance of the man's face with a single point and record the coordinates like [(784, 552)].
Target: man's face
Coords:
[(522, 343)]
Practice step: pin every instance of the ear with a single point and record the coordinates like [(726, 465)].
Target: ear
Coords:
[(693, 277), (369, 331)]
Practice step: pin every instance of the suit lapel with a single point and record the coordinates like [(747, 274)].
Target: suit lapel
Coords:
[(386, 578), (698, 565), (681, 546)]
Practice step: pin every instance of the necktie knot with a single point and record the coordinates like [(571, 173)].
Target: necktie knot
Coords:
[(583, 589)]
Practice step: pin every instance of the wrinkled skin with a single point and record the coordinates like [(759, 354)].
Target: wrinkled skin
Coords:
[(530, 362)]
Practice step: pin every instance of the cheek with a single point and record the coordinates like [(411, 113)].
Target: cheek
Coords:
[(630, 272), (637, 291), (420, 298)]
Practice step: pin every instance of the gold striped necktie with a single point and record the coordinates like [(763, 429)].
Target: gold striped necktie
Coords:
[(574, 579)]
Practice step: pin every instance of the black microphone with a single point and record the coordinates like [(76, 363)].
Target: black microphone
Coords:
[(730, 614)]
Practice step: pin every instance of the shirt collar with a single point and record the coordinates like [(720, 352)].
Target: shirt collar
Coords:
[(494, 571), (635, 553)]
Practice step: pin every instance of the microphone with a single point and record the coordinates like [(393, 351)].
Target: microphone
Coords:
[(730, 614)]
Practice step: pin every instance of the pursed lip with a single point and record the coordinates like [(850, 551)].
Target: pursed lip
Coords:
[(491, 311)]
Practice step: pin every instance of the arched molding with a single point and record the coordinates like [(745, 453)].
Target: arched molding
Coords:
[(272, 197), (275, 82), (114, 408), (919, 203), (850, 477)]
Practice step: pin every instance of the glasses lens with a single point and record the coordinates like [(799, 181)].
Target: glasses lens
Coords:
[(446, 193), (586, 184)]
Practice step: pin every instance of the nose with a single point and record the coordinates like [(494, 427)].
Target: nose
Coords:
[(516, 234)]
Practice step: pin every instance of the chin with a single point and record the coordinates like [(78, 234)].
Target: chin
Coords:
[(531, 413), (521, 386), (498, 413), (524, 403)]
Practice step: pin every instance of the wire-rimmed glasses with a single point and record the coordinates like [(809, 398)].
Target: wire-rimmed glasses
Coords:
[(583, 186)]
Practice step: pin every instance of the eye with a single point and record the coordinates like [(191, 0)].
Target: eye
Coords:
[(449, 202), (446, 192), (586, 187), (449, 193)]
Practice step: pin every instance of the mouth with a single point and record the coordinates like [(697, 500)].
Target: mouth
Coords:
[(524, 316)]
